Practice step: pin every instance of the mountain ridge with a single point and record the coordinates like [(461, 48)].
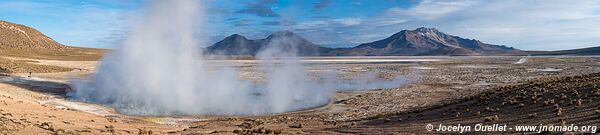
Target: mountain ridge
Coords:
[(418, 42), (18, 40)]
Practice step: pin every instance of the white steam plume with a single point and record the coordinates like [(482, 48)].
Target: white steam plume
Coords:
[(522, 60), (157, 71)]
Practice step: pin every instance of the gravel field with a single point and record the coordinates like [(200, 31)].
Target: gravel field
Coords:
[(432, 81)]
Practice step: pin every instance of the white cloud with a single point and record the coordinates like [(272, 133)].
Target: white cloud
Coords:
[(431, 9), (310, 24), (530, 25), (348, 21)]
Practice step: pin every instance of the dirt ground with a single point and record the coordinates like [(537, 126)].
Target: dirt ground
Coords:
[(441, 90)]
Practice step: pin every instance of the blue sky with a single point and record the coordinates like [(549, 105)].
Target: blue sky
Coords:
[(531, 24)]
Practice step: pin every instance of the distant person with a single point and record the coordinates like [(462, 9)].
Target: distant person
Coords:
[(29, 75)]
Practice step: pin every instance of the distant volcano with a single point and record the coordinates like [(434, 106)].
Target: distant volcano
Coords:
[(427, 41), (421, 41)]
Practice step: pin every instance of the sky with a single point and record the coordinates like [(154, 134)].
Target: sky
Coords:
[(523, 24)]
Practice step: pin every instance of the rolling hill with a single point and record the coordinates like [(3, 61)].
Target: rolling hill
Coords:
[(21, 46), (582, 51), (21, 41)]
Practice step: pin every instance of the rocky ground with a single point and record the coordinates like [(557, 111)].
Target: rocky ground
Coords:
[(443, 90), (559, 101)]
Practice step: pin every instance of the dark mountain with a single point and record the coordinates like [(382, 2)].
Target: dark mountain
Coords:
[(282, 41), (582, 51), (236, 45), (427, 41), (418, 42)]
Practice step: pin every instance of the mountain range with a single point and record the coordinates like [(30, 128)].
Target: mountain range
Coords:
[(419, 42), (282, 40), (22, 41)]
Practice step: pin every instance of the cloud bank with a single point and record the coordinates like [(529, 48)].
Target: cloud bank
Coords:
[(535, 25)]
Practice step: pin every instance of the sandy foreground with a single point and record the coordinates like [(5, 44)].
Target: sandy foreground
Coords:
[(37, 105)]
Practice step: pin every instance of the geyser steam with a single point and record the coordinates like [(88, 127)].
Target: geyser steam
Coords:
[(522, 60), (158, 70)]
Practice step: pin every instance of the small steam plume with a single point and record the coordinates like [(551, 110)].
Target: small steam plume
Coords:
[(522, 60), (157, 71)]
